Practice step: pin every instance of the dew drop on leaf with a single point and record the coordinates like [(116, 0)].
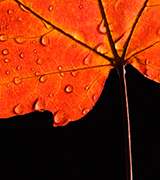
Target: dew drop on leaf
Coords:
[(60, 67), (7, 72), (44, 40), (37, 73), (35, 50), (18, 109), (22, 55), (23, 8), (62, 74), (3, 37), (95, 97), (5, 52), (50, 8), (48, 26), (39, 104), (19, 19), (19, 67), (101, 28), (40, 61), (50, 95), (6, 60), (87, 87), (80, 6), (146, 61), (17, 80), (10, 11), (43, 78), (60, 118), (34, 42), (20, 40), (102, 48), (69, 89), (74, 73), (87, 60), (85, 111)]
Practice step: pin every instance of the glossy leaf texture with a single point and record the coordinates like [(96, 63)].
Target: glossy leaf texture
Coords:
[(56, 55)]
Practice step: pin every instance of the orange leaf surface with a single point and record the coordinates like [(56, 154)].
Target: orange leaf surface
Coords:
[(56, 55)]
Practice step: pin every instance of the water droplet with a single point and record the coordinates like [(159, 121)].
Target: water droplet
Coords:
[(19, 19), (37, 73), (146, 61), (80, 6), (19, 67), (20, 40), (32, 69), (3, 37), (23, 8), (35, 50), (22, 55), (7, 72), (69, 89), (60, 67), (74, 46), (18, 109), (51, 95), (48, 26), (39, 104), (34, 42), (102, 48), (10, 11), (95, 97), (87, 87), (7, 85), (5, 52), (87, 60), (6, 60), (8, 91), (61, 118), (74, 73), (40, 61), (50, 8), (158, 32), (43, 78), (101, 27), (17, 80), (85, 111), (62, 74), (44, 40)]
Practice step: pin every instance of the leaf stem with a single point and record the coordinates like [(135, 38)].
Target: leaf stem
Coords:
[(126, 122)]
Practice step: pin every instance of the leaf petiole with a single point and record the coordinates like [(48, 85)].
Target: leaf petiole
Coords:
[(126, 122)]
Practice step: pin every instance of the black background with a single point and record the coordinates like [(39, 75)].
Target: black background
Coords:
[(90, 147)]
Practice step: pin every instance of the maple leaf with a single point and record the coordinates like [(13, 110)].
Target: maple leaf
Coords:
[(56, 55)]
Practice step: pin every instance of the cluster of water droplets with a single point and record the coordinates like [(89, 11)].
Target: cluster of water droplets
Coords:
[(44, 40)]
